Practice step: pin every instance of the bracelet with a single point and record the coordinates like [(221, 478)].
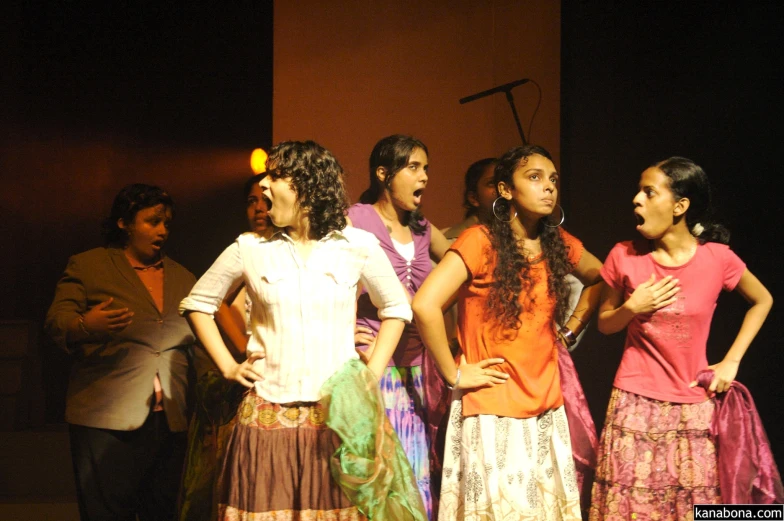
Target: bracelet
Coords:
[(578, 319), (82, 326), (457, 381), (568, 335)]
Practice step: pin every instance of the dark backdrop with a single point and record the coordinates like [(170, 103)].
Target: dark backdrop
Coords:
[(97, 95), (645, 81)]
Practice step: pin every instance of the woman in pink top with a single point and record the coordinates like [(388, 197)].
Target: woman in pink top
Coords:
[(657, 457)]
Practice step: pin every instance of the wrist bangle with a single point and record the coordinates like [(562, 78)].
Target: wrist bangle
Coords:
[(457, 381), (568, 335), (82, 327)]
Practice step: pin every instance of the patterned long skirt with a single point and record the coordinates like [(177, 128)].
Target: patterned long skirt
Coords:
[(402, 389), (276, 466), (656, 460), (335, 460), (508, 469)]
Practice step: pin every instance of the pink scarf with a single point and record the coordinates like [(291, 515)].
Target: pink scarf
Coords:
[(747, 470)]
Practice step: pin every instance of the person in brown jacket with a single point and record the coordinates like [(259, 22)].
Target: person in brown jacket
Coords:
[(115, 312)]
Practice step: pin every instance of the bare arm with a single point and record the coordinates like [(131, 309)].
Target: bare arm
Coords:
[(209, 335), (587, 271), (439, 244), (435, 293), (385, 344), (231, 320), (761, 301)]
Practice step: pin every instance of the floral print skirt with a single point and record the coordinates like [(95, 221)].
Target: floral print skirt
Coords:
[(499, 468), (656, 460)]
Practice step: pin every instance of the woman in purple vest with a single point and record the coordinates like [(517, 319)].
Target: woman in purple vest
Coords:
[(389, 209)]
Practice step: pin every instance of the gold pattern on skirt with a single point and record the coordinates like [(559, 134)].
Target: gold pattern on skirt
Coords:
[(342, 514)]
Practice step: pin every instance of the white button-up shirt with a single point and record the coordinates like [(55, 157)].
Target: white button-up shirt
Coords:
[(302, 312)]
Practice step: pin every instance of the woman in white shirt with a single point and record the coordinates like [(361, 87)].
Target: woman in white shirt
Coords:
[(313, 412)]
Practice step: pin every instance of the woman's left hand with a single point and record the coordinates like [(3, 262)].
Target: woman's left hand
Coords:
[(724, 374)]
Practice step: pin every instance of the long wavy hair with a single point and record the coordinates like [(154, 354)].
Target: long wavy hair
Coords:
[(317, 179), (689, 180), (392, 153), (512, 272)]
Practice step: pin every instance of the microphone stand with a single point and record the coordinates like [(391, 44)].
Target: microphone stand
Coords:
[(506, 89), (510, 99)]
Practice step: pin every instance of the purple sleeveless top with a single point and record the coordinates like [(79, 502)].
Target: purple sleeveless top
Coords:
[(412, 274)]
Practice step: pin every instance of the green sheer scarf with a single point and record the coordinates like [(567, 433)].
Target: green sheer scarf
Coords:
[(370, 465)]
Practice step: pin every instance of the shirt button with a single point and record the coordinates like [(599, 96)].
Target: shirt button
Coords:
[(160, 321)]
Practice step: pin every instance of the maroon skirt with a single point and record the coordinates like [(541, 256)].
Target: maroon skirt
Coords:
[(656, 460), (277, 466)]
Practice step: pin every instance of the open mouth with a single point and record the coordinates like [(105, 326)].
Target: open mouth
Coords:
[(640, 219), (418, 196)]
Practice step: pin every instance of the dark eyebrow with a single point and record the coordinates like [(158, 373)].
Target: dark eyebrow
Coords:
[(539, 170)]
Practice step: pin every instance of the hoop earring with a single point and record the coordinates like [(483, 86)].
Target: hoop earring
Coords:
[(563, 218), (496, 215)]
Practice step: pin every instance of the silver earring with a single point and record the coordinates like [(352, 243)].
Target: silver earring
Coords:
[(496, 215), (563, 217)]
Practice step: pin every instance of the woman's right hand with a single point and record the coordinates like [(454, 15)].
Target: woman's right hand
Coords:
[(651, 295), (479, 374), (100, 321), (243, 373), (363, 336)]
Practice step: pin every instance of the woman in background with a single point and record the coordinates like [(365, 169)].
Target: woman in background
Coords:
[(478, 196), (390, 209), (217, 398)]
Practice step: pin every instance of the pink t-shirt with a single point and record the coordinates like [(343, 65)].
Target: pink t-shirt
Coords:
[(665, 349)]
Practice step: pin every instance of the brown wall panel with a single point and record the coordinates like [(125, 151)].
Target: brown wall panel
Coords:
[(351, 73)]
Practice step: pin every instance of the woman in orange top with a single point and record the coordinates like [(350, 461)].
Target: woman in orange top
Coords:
[(508, 453)]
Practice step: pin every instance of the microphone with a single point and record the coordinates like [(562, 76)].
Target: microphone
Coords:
[(506, 87)]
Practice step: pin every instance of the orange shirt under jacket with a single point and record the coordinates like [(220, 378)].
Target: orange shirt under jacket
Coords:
[(531, 359)]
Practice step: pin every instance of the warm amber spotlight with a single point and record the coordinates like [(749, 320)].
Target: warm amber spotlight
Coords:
[(258, 161)]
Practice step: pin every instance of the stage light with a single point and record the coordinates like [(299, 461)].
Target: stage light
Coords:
[(258, 161)]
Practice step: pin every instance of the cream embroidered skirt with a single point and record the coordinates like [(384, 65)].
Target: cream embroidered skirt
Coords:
[(508, 469)]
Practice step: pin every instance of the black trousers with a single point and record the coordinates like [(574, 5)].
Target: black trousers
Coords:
[(122, 474)]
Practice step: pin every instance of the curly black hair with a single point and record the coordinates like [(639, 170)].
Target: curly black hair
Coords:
[(511, 275), (393, 153), (127, 204), (317, 179)]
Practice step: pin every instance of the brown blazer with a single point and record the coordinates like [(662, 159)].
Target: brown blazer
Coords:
[(111, 382)]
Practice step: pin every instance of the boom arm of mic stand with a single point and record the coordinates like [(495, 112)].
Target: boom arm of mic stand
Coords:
[(510, 99)]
